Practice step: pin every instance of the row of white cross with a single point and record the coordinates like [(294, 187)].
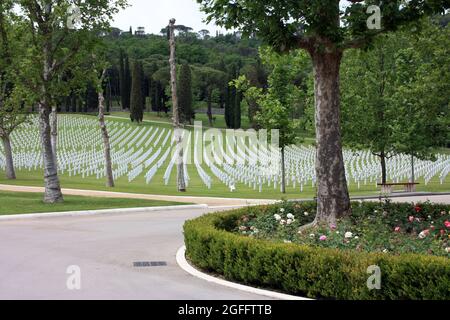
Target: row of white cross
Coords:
[(140, 152)]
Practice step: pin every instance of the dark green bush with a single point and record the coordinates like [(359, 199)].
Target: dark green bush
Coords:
[(310, 271)]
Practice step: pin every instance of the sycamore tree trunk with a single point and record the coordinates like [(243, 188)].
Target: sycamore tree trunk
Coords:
[(52, 184), (106, 142), (181, 184), (53, 192), (10, 172), (333, 201)]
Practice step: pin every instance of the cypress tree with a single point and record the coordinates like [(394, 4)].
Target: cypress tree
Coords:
[(127, 82), (143, 85), (185, 93), (237, 109), (229, 107), (122, 81), (136, 110)]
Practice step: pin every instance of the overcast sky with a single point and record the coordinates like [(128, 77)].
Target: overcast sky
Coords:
[(155, 15)]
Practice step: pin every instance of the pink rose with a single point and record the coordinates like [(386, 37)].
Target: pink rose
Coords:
[(323, 238), (411, 219), (397, 229), (447, 224)]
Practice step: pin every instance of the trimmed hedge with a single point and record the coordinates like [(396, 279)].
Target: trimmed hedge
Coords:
[(309, 271)]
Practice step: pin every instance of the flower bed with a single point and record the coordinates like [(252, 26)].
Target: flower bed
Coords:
[(261, 246), (373, 227)]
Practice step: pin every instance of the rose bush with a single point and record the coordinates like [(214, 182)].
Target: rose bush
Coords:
[(384, 227)]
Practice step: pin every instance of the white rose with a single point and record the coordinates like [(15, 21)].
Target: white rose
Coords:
[(348, 235), (291, 216), (447, 249), (306, 214), (422, 235), (277, 217), (282, 210), (312, 235), (289, 221)]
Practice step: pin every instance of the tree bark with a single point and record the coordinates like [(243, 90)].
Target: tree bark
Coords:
[(53, 192), (54, 133), (181, 184), (283, 172), (106, 142), (10, 172), (333, 200)]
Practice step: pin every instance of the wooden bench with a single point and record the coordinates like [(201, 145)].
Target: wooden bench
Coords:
[(388, 188)]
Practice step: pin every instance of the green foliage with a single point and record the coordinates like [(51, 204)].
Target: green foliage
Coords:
[(392, 95), (277, 103), (288, 24), (211, 60), (55, 52), (14, 108), (306, 270)]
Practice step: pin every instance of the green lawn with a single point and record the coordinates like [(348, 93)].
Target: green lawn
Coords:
[(23, 203), (153, 116)]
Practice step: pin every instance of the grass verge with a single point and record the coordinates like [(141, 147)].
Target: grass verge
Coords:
[(26, 203)]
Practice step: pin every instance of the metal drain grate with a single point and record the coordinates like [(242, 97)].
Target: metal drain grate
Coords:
[(148, 264)]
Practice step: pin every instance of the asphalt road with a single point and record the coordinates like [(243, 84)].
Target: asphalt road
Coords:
[(35, 255)]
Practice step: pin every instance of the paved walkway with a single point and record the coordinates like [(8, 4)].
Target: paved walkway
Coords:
[(35, 255), (210, 201)]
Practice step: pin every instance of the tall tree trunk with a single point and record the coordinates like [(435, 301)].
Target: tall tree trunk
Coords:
[(54, 133), (383, 167), (283, 171), (181, 184), (10, 172), (106, 143), (53, 192), (333, 200)]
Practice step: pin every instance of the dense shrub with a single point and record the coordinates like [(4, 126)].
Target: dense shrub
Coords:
[(310, 271)]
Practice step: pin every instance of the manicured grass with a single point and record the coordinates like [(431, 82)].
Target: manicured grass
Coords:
[(23, 203), (153, 116)]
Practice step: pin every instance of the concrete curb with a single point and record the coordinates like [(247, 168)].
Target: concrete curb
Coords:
[(182, 262), (98, 212)]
